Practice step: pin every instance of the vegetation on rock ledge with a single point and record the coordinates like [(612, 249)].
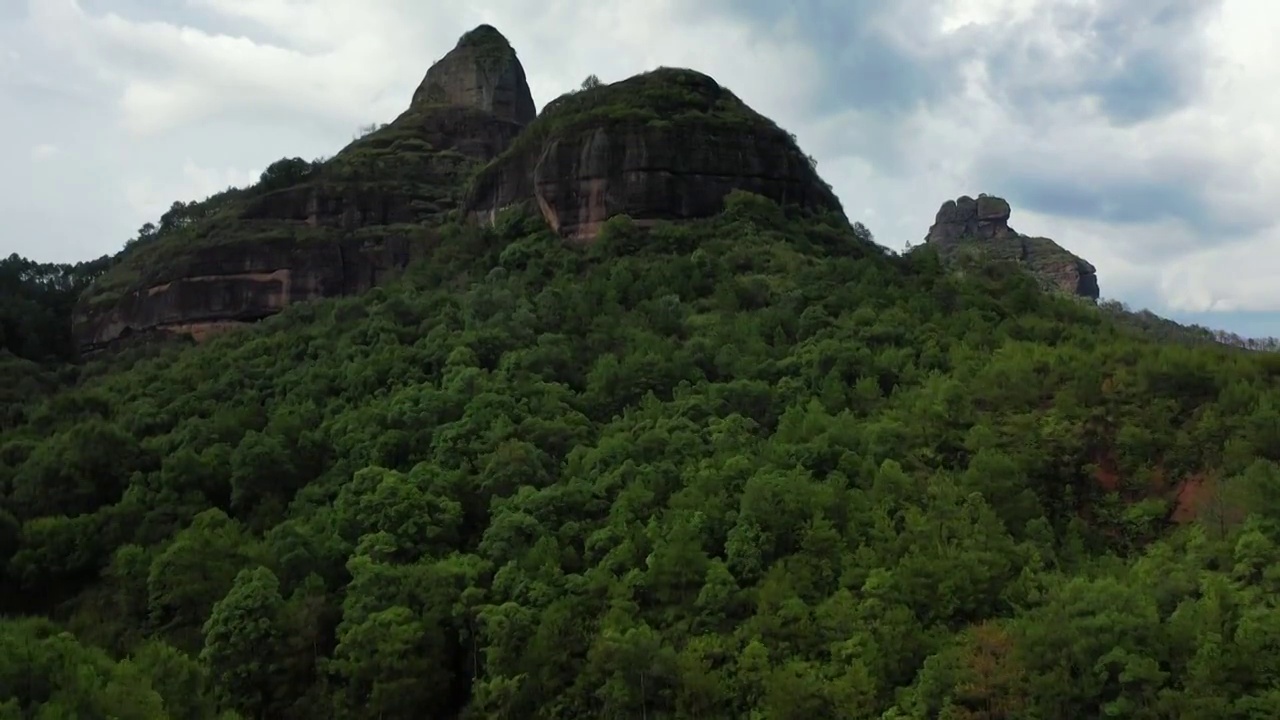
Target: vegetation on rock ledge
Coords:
[(391, 160), (663, 96), (740, 467)]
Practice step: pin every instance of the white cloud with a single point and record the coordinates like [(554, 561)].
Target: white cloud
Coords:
[(1241, 277), (338, 58), (43, 151), (960, 13), (1225, 146), (150, 199), (169, 75)]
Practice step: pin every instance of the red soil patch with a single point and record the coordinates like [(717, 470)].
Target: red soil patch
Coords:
[(1107, 474), (1192, 495)]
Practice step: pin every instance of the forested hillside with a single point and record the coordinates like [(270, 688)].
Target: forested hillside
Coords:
[(746, 467), (36, 346), (36, 301)]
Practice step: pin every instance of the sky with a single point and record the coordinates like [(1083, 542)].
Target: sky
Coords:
[(1140, 135)]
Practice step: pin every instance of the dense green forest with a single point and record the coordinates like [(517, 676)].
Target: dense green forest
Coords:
[(36, 300), (36, 347), (753, 466)]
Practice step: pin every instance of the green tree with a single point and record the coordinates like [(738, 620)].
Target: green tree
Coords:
[(242, 642)]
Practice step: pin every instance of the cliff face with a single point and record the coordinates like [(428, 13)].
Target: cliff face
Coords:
[(982, 225), (481, 72), (308, 231), (666, 145), (217, 288), (410, 171)]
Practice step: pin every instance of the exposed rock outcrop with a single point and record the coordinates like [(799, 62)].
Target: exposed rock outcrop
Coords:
[(982, 225), (220, 287), (665, 145), (319, 230), (482, 71), (410, 171)]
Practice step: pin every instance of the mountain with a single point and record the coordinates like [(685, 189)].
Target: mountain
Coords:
[(665, 145), (311, 230), (726, 459)]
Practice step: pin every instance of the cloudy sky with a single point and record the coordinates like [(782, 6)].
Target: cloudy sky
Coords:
[(1140, 135)]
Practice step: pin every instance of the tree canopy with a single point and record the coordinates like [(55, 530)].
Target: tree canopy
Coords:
[(748, 467)]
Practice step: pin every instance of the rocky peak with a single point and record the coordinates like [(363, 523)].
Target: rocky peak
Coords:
[(985, 218), (669, 144), (982, 225), (666, 145), (324, 229), (481, 71)]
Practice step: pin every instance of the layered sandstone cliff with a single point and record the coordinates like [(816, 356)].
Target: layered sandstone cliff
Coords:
[(666, 145), (216, 288), (981, 225), (480, 72), (308, 231)]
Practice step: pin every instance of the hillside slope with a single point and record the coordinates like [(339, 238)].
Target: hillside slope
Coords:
[(747, 466)]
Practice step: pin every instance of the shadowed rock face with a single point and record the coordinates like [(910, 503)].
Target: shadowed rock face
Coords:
[(409, 171), (666, 145), (982, 224), (480, 72), (337, 228), (218, 288)]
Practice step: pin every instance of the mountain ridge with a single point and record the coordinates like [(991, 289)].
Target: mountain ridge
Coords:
[(667, 144), (344, 225)]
